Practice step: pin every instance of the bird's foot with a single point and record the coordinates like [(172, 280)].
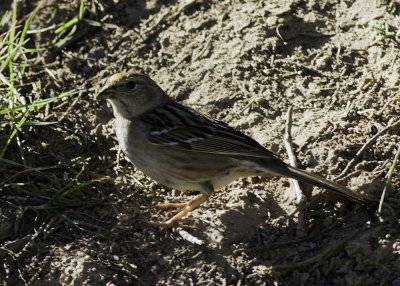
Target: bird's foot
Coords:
[(177, 206), (185, 208), (172, 205)]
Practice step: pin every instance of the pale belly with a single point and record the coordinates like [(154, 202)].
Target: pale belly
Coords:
[(182, 170)]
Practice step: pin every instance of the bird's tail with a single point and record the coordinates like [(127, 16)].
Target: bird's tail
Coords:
[(285, 170)]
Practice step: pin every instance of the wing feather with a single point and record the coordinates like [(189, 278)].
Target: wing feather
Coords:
[(181, 128)]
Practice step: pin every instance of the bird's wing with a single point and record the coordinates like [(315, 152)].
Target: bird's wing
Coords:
[(178, 127)]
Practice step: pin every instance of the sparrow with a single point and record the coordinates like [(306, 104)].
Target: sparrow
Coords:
[(185, 150)]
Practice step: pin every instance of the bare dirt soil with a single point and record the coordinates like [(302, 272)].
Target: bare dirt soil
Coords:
[(244, 62)]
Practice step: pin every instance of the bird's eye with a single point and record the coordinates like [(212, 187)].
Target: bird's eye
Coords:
[(130, 84)]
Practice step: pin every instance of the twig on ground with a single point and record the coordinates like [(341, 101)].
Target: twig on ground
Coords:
[(279, 34), (372, 140), (18, 247), (188, 237), (12, 247), (71, 106), (198, 56), (292, 158), (44, 230), (388, 183), (301, 230), (388, 102), (350, 175), (174, 66), (21, 150)]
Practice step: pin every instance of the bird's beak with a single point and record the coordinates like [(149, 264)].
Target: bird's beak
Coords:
[(104, 93)]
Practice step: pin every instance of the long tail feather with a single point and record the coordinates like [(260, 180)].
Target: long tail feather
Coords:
[(313, 179)]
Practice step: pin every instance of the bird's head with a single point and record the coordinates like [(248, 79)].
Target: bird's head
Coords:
[(132, 94)]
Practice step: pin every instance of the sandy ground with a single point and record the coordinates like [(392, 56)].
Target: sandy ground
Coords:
[(244, 62)]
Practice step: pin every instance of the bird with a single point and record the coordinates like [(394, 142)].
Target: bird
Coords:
[(185, 150)]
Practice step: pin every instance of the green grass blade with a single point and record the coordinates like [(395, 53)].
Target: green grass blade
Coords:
[(36, 105), (81, 10), (27, 25), (14, 132), (67, 25)]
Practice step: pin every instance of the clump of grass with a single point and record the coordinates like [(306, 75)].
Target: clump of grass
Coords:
[(15, 61), (12, 49), (66, 31), (18, 113)]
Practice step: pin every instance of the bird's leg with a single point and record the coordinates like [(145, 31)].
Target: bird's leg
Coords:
[(176, 206), (172, 205), (191, 205), (188, 207)]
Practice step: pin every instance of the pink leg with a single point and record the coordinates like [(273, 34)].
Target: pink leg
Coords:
[(186, 208)]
